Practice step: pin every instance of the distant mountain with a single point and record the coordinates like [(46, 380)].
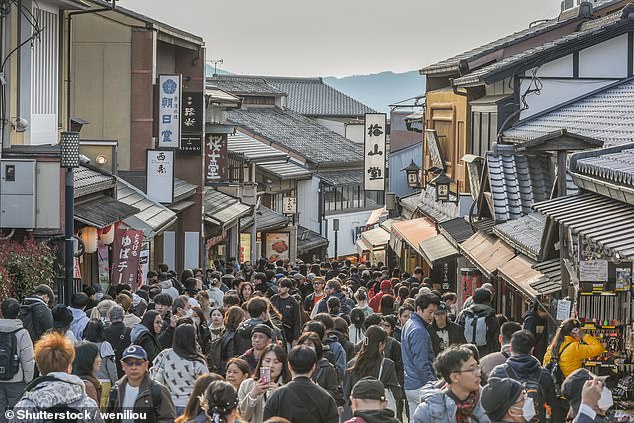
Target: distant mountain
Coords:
[(379, 90)]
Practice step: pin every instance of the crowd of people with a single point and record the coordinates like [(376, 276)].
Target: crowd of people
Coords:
[(325, 343)]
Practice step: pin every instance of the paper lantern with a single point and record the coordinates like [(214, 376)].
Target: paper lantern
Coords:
[(107, 236), (90, 238)]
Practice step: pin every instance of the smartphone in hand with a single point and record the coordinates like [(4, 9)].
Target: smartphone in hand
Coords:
[(265, 374)]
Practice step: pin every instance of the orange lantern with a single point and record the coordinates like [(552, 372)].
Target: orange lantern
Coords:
[(90, 238)]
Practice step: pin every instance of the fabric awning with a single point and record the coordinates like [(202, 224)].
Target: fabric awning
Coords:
[(519, 272), (102, 211), (308, 240), (551, 269), (438, 250), (486, 252), (362, 246), (414, 231), (605, 221), (376, 238)]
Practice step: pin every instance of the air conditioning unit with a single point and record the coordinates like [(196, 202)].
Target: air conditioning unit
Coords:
[(17, 194)]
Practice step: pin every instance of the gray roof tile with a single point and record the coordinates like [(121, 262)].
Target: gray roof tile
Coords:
[(313, 97), (342, 177), (299, 134), (606, 114), (524, 234), (244, 85), (615, 166)]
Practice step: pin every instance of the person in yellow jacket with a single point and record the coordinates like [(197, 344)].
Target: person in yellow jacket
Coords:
[(572, 346)]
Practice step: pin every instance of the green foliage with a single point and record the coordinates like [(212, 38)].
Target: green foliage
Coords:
[(23, 266)]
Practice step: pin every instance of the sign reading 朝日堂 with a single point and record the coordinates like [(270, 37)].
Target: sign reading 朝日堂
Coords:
[(169, 118), (374, 152)]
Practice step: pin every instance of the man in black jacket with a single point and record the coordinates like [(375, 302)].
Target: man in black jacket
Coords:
[(369, 403), (302, 399), (118, 335), (444, 332), (35, 313)]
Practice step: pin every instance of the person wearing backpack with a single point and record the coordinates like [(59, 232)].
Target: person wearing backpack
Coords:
[(565, 354), (505, 401), (137, 392), (526, 369), (16, 356), (118, 335), (57, 390), (35, 312), (489, 361), (481, 326)]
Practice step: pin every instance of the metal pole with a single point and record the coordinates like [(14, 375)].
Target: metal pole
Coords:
[(69, 257), (563, 246), (336, 233)]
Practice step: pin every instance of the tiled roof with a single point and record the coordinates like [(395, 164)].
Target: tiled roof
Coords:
[(456, 230), (222, 209), (517, 181), (102, 211), (308, 240), (286, 170), (453, 63), (313, 97), (590, 31), (524, 234), (299, 134), (342, 177), (617, 167), (183, 189), (152, 217), (88, 181), (244, 85), (606, 114), (254, 151), (266, 219)]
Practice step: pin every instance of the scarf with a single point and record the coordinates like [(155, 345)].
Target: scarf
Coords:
[(464, 409)]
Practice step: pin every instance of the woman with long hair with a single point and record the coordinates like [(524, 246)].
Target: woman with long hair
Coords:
[(270, 373), (233, 317), (193, 412), (102, 310), (356, 331), (370, 361), (87, 362), (245, 291), (387, 305), (221, 403), (217, 324), (145, 334), (178, 367), (237, 371), (107, 372), (203, 334), (325, 374)]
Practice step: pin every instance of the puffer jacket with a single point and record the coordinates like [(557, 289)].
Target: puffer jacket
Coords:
[(436, 407), (25, 350), (36, 310), (572, 358), (80, 320), (64, 390)]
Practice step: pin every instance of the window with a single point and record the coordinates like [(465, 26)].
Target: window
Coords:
[(484, 131), (351, 197), (259, 100)]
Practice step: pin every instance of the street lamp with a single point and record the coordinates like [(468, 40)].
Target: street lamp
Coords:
[(412, 171), (335, 227), (69, 144), (443, 183)]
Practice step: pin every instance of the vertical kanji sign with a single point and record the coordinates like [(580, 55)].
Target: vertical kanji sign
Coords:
[(374, 152), (215, 158), (125, 256), (169, 119), (192, 119), (159, 175)]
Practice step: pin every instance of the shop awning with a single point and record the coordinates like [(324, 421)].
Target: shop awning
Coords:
[(286, 170), (265, 219), (519, 272), (456, 230), (183, 189), (362, 246), (438, 250), (486, 252), (414, 231), (551, 269), (342, 177), (152, 217), (254, 151), (102, 211), (376, 238), (604, 221), (375, 216), (308, 240), (222, 209)]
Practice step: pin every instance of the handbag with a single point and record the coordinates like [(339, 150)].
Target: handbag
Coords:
[(389, 396)]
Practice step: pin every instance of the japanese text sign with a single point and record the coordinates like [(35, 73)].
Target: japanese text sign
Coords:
[(192, 113), (160, 175), (374, 152), (125, 256), (215, 158), (169, 119), (289, 205)]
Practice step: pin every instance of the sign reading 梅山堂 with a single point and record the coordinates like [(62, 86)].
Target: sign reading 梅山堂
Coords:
[(169, 119), (374, 152), (160, 175)]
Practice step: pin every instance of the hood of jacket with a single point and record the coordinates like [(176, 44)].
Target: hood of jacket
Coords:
[(531, 314), (34, 302), (482, 310), (66, 389), (137, 331), (9, 325), (332, 337), (524, 365), (78, 314), (377, 416), (166, 284)]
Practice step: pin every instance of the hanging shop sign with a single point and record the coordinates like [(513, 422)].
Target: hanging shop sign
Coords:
[(434, 149), (144, 263), (125, 256), (169, 119), (277, 246), (215, 158), (159, 175), (191, 144), (192, 123), (593, 271), (289, 205), (374, 152), (104, 266)]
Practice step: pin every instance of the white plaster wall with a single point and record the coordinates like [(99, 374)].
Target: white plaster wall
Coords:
[(355, 133), (333, 125), (561, 67), (308, 203), (605, 60), (347, 223)]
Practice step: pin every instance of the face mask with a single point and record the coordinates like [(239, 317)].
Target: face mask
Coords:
[(606, 401), (189, 312)]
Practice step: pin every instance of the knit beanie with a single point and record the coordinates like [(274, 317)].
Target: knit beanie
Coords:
[(499, 395)]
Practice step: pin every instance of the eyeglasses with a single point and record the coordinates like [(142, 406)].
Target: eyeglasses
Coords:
[(475, 370), (137, 363)]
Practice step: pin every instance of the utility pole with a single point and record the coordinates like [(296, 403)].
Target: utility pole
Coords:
[(335, 227)]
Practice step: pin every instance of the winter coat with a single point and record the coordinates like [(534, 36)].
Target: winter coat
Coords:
[(348, 347), (24, 347), (93, 388), (436, 407), (492, 323), (302, 400), (80, 320), (166, 335), (539, 329), (119, 337), (325, 376), (373, 416), (251, 411), (243, 334), (178, 374), (216, 296), (456, 336), (346, 303), (490, 361), (40, 316), (572, 358), (339, 354), (165, 413), (375, 302), (417, 352), (291, 316), (65, 390), (168, 288), (108, 370), (130, 320), (388, 378), (142, 337)]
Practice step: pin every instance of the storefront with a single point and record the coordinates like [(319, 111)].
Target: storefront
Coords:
[(405, 239), (372, 246), (441, 257)]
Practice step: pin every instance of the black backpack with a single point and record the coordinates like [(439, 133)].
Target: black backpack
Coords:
[(26, 315), (555, 370), (9, 356), (533, 389), (58, 412)]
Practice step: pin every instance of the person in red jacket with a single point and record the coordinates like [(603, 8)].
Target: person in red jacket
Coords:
[(386, 288)]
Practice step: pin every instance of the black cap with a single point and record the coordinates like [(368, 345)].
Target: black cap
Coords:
[(369, 388), (262, 328), (499, 395), (442, 308)]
